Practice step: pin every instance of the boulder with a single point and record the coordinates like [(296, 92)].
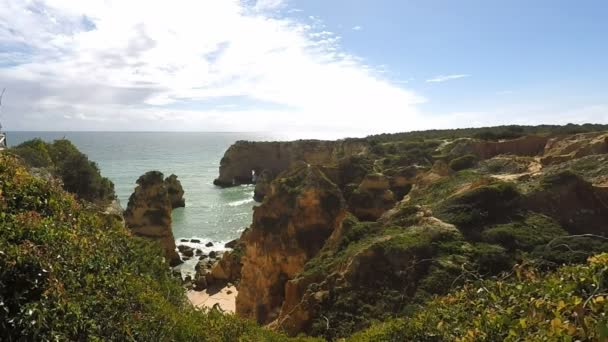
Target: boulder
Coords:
[(231, 244)]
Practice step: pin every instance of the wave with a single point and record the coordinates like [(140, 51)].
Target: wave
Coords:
[(240, 202)]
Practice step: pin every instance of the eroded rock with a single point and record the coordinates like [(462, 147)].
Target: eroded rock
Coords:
[(290, 227), (175, 191), (148, 213)]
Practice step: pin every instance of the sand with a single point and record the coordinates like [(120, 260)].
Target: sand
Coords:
[(213, 296)]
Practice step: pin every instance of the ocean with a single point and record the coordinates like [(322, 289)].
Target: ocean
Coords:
[(211, 213)]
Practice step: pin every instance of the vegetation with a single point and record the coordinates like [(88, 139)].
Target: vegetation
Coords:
[(69, 273), (465, 162), (78, 174), (490, 133), (566, 305)]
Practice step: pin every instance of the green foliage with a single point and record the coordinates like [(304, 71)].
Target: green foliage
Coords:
[(71, 274), (524, 234), (566, 305), (497, 132), (34, 152), (78, 174), (474, 209), (443, 188), (464, 162)]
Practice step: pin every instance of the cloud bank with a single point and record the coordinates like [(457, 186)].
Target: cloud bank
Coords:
[(190, 65)]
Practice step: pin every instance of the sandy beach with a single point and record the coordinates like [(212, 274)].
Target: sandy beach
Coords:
[(225, 297)]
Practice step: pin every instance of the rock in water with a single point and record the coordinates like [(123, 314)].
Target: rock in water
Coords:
[(176, 192), (290, 227), (148, 213)]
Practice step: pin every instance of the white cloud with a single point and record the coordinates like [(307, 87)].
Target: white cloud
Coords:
[(357, 28), (444, 78), (264, 5), (92, 64)]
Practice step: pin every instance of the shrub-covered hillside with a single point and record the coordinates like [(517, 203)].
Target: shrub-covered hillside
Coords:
[(71, 274), (64, 161), (569, 304)]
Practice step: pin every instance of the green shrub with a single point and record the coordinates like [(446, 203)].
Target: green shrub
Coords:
[(79, 175), (526, 233), (566, 305), (474, 209), (34, 152), (464, 162)]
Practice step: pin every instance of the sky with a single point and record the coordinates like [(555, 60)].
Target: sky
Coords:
[(328, 68)]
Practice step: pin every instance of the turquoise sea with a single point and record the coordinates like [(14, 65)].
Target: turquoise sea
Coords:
[(211, 213)]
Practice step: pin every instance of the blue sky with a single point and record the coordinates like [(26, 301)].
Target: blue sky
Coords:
[(332, 68), (513, 51)]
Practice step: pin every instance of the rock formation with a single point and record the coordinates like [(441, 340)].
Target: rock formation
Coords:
[(347, 234), (372, 198), (244, 159), (176, 192), (563, 148), (148, 213), (290, 227)]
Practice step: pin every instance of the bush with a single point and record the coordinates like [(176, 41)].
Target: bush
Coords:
[(526, 233), (485, 205), (79, 175), (565, 305), (464, 162)]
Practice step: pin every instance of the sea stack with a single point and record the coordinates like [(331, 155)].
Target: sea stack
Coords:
[(148, 213)]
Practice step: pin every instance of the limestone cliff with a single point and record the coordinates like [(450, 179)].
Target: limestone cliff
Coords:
[(148, 213), (301, 211), (368, 235), (245, 158)]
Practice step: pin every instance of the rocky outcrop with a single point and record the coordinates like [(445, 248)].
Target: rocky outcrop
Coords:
[(575, 203), (176, 192), (262, 185), (372, 198), (148, 213), (390, 260), (244, 159), (301, 211), (564, 148)]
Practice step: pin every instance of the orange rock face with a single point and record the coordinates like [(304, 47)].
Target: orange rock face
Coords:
[(288, 229), (148, 213)]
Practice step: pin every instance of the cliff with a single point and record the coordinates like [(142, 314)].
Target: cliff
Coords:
[(289, 228), (244, 159), (415, 218), (148, 213)]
